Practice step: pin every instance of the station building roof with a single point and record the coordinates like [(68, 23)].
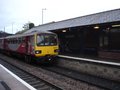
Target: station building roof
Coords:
[(98, 18)]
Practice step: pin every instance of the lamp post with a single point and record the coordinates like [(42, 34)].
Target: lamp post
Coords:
[(42, 14), (4, 32), (12, 27)]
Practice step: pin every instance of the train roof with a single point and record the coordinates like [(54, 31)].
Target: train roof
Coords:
[(27, 34)]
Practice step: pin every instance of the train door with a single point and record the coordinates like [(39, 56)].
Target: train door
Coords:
[(28, 57), (30, 42), (28, 45)]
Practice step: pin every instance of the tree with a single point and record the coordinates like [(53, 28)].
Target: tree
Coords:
[(31, 25), (28, 25)]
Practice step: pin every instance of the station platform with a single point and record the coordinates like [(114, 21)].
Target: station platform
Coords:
[(89, 58), (9, 81)]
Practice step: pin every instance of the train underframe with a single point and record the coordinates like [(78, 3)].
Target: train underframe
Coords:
[(31, 58)]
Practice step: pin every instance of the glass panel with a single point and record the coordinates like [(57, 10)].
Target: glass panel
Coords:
[(32, 40), (46, 40)]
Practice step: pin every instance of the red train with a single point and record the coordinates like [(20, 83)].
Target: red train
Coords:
[(42, 46)]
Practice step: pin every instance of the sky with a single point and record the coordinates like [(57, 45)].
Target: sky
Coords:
[(15, 13)]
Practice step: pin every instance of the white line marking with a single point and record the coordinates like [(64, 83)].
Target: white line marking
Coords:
[(19, 79), (90, 60)]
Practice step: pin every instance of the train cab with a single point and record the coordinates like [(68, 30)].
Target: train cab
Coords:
[(46, 46)]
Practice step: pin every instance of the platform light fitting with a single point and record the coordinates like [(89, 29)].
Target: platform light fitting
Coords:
[(63, 30), (96, 27), (117, 25)]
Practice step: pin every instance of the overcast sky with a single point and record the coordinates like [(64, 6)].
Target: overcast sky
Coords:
[(19, 12)]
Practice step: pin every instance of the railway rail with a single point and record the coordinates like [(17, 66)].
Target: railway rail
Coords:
[(34, 81)]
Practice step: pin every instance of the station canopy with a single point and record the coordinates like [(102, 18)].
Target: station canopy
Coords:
[(98, 18)]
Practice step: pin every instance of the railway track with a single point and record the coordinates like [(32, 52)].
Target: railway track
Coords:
[(58, 80), (97, 81), (34, 81)]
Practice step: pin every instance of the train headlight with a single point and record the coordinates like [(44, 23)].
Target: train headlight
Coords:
[(56, 50), (37, 51)]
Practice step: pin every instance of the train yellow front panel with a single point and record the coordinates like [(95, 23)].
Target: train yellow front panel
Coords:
[(47, 50)]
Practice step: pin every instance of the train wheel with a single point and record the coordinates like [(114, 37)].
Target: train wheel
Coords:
[(28, 59)]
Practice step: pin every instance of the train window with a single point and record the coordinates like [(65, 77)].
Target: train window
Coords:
[(46, 39), (40, 40), (10, 41), (13, 41), (16, 41), (19, 40), (53, 39), (23, 39)]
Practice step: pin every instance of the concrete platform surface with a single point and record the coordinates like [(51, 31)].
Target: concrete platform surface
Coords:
[(3, 86), (13, 81)]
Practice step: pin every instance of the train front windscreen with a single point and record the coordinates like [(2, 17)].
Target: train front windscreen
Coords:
[(46, 40)]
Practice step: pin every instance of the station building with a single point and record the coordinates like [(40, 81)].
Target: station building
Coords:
[(96, 34)]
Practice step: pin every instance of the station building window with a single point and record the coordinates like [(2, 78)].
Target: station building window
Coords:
[(109, 39), (114, 39)]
